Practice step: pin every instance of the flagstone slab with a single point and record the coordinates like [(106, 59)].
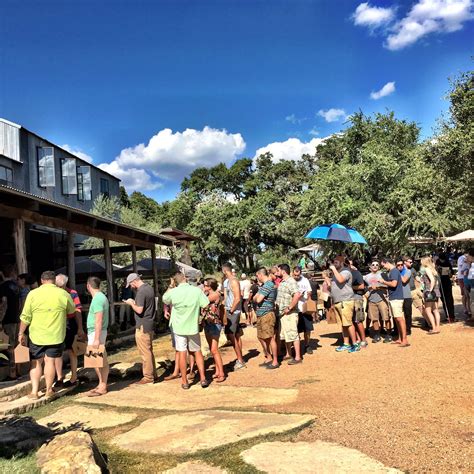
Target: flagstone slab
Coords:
[(170, 396), (86, 418), (319, 456), (191, 467), (201, 430)]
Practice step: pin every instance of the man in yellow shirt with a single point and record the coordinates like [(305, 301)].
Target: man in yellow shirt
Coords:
[(45, 313)]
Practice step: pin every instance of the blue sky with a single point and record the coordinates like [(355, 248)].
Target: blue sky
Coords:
[(240, 76)]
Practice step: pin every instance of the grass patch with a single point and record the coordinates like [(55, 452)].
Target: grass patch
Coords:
[(19, 465)]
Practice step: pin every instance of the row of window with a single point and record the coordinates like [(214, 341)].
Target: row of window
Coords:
[(6, 175), (74, 179)]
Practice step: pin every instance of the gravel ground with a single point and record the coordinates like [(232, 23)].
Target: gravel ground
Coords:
[(410, 408)]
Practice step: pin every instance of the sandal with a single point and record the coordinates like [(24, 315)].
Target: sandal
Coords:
[(185, 386), (405, 345), (95, 393), (220, 379)]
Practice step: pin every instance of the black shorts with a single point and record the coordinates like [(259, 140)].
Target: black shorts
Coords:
[(305, 322), (71, 332), (38, 352)]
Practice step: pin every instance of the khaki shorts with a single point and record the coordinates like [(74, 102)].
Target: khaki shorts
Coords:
[(358, 314), (344, 311), (377, 310), (417, 298), (397, 308), (266, 326), (289, 327)]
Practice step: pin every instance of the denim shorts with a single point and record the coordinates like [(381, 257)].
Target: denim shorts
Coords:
[(212, 329)]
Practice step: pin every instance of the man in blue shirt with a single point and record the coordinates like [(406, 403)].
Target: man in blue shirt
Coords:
[(393, 281)]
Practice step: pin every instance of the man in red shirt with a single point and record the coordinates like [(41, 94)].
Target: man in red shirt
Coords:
[(73, 327)]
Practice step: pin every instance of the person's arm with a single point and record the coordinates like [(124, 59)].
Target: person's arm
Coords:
[(203, 300), (406, 278), (235, 288), (99, 316), (430, 275), (293, 304), (25, 320), (135, 307), (261, 294), (338, 276)]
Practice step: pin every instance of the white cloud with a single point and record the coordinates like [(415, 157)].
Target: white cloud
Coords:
[(172, 156), (313, 132), (365, 15), (430, 16), (80, 154), (332, 115), (387, 89), (294, 119), (291, 149)]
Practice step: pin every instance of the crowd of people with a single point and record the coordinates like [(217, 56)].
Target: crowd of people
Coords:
[(280, 301)]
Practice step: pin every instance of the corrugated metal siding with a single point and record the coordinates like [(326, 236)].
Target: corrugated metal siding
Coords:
[(9, 141)]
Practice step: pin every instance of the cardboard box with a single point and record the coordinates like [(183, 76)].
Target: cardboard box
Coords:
[(310, 306), (22, 354), (79, 347), (94, 358)]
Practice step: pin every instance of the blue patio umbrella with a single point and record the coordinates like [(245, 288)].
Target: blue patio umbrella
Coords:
[(336, 232)]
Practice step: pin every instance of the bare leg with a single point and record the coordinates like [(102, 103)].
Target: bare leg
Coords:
[(50, 371), (297, 346), (176, 364), (73, 362), (346, 334), (237, 343), (352, 335), (430, 319), (264, 344), (192, 362), (274, 350), (58, 364), (402, 329), (183, 366), (437, 318), (36, 371), (200, 365), (214, 347), (361, 331)]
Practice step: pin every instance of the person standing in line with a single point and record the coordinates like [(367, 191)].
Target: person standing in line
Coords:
[(358, 316), (288, 296), (73, 328), (187, 301), (445, 271), (407, 299), (342, 295), (245, 295), (213, 325), (266, 318), (463, 268), (10, 303), (431, 294), (233, 309), (393, 281), (305, 320), (144, 308), (377, 302), (252, 305), (97, 324), (44, 314)]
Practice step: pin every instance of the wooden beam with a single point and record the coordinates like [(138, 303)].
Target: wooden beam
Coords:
[(100, 251), (20, 245), (71, 263), (154, 271), (109, 272), (134, 258)]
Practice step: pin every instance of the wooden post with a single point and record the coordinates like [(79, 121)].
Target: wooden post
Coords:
[(134, 258), (71, 263), (20, 245), (110, 280), (154, 270)]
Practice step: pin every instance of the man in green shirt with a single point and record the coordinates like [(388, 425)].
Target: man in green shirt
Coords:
[(45, 313), (187, 301), (97, 323)]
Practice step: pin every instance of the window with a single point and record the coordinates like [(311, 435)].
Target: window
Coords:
[(6, 175), (104, 187), (68, 176), (10, 140), (46, 166), (84, 186)]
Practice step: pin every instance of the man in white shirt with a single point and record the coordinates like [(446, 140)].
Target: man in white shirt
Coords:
[(245, 285), (463, 269), (305, 320)]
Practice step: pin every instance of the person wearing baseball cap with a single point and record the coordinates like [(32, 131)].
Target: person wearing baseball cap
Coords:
[(144, 308)]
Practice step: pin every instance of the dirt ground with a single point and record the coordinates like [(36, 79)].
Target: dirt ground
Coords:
[(410, 408)]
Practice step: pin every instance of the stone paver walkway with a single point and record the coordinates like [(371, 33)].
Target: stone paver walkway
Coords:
[(194, 431)]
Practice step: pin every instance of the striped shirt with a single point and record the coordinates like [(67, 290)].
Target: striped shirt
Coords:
[(269, 292), (77, 302)]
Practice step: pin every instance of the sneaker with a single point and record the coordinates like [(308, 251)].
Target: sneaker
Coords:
[(364, 344), (239, 365), (376, 338), (309, 350), (387, 339), (344, 347), (354, 348)]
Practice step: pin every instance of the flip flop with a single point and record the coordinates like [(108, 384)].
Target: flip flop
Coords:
[(404, 345), (185, 386), (220, 379), (95, 393)]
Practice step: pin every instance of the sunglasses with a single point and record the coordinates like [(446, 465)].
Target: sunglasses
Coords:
[(399, 264)]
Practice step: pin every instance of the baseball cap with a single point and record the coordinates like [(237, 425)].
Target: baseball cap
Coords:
[(132, 277)]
